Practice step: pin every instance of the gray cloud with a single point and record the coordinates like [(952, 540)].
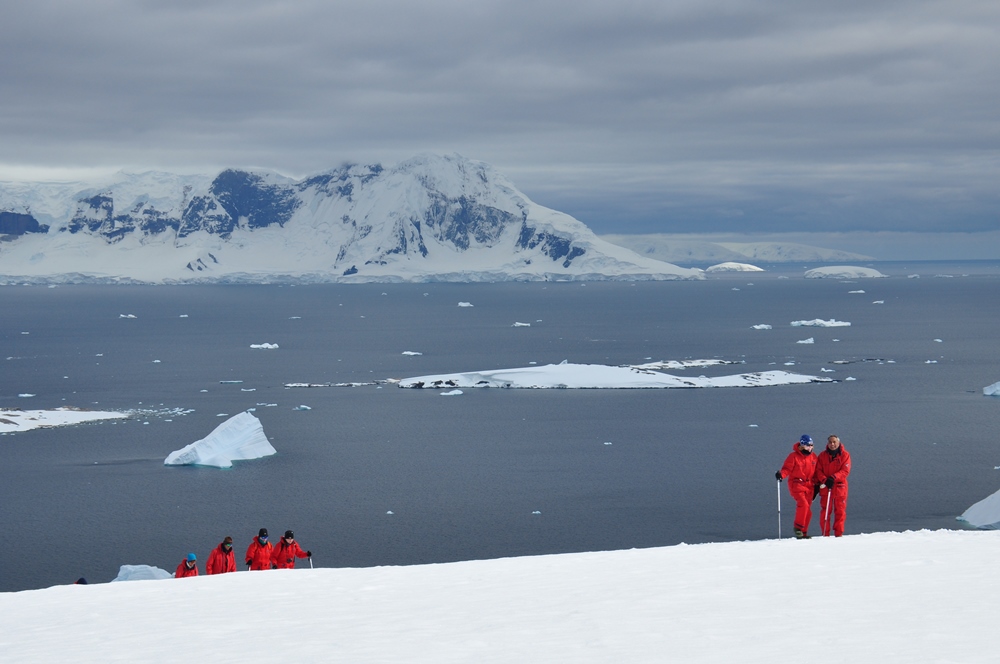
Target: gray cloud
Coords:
[(709, 116)]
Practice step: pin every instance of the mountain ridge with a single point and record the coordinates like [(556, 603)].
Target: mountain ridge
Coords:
[(428, 218)]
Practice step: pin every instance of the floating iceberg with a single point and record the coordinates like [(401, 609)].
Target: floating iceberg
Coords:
[(730, 266), (984, 514), (264, 346), (240, 437), (843, 272), (762, 326), (465, 304), (992, 390), (598, 376), (141, 573)]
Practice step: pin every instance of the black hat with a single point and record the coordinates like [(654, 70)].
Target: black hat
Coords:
[(289, 534), (228, 540), (262, 532)]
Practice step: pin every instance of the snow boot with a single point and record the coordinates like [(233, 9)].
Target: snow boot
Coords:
[(801, 535)]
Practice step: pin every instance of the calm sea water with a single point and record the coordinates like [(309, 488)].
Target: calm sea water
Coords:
[(490, 473)]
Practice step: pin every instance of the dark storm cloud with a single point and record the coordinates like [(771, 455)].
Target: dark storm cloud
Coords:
[(635, 117)]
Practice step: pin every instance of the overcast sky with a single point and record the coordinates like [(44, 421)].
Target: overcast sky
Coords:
[(636, 117)]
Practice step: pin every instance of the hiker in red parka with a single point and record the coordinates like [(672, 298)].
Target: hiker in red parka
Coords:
[(188, 567), (287, 551), (832, 468), (259, 552), (799, 468), (222, 559)]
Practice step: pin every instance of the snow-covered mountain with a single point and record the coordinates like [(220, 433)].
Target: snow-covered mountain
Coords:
[(431, 218), (670, 248)]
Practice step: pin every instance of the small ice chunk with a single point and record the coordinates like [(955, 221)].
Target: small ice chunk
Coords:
[(879, 302), (156, 362), (855, 291), (265, 346), (753, 426), (25, 395), (762, 326), (126, 315), (810, 340), (141, 573), (183, 316), (302, 407), (850, 378), (536, 512), (390, 511), (465, 304), (452, 393), (608, 442), (818, 322), (939, 341), (517, 324), (825, 370), (931, 362), (411, 352)]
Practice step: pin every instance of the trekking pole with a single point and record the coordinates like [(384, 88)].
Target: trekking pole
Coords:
[(779, 509), (310, 562), (829, 500)]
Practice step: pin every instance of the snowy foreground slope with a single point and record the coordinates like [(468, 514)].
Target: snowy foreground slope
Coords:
[(887, 597), (431, 218)]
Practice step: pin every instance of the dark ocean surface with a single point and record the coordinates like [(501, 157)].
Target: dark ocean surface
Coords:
[(490, 473)]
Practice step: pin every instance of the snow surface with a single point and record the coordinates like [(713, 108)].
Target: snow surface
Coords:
[(12, 421), (843, 272), (731, 266), (240, 437), (992, 390), (599, 376), (910, 598)]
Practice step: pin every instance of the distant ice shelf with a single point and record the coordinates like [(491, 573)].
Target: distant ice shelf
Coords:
[(14, 420)]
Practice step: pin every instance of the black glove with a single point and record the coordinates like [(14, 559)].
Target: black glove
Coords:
[(249, 562), (777, 476), (829, 482), (309, 554)]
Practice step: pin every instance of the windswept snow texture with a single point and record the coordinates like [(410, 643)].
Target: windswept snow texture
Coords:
[(238, 438), (843, 272), (141, 573), (984, 514), (730, 266), (992, 390), (818, 322), (598, 376), (12, 421)]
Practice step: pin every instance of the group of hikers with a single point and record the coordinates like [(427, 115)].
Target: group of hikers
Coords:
[(824, 475), (261, 554)]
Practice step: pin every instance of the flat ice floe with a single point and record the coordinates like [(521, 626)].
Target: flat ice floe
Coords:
[(238, 438), (12, 421), (264, 346), (843, 272), (818, 322), (598, 376)]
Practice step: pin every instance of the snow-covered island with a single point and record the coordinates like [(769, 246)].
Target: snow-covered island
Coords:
[(238, 438), (843, 272), (15, 420), (599, 376), (910, 597)]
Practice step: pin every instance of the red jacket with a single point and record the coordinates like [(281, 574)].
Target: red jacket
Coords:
[(838, 467), (221, 561), (284, 554), (259, 554), (183, 570), (799, 467)]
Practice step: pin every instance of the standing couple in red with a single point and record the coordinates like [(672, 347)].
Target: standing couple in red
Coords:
[(825, 475)]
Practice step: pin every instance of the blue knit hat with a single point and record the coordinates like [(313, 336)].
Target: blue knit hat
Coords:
[(805, 440), (191, 556)]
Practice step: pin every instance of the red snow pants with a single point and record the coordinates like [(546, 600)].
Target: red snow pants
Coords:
[(802, 494), (836, 513)]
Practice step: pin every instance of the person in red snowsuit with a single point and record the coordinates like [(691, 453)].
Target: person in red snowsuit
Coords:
[(799, 468), (259, 552), (222, 559), (287, 551), (832, 468), (188, 567)]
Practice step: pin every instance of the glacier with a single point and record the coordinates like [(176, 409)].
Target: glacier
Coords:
[(430, 218), (238, 438)]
